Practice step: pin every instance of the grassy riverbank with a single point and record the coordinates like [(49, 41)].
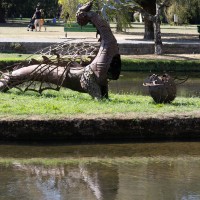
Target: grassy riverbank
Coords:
[(128, 63), (67, 103), (71, 161)]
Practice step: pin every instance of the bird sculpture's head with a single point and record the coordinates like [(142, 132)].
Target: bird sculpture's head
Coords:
[(81, 14)]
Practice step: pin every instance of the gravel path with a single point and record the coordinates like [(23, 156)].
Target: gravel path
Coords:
[(170, 34)]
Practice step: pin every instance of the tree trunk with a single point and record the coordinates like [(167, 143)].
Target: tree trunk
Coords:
[(148, 29), (119, 24), (2, 13), (157, 32), (158, 40), (148, 6)]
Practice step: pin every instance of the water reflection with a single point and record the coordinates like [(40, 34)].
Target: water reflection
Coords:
[(135, 171), (131, 82), (168, 179), (63, 182)]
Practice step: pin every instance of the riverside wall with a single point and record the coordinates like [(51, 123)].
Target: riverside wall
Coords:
[(101, 129)]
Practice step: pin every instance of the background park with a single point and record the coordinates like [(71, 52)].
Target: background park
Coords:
[(65, 145), (182, 55)]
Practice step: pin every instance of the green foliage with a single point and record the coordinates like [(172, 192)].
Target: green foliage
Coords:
[(121, 17), (118, 14), (2, 11), (27, 7), (70, 7), (128, 64), (187, 11), (160, 65)]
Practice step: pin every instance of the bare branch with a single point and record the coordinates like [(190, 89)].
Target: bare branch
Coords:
[(136, 7)]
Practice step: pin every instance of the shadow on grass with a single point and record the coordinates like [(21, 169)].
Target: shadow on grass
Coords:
[(31, 93), (182, 57), (51, 94)]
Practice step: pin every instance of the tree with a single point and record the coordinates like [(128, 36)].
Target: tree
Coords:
[(2, 12), (3, 5), (13, 8), (107, 8), (154, 18), (124, 19), (70, 7), (150, 7), (187, 11)]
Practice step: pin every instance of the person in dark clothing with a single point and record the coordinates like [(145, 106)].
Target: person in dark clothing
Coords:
[(37, 17)]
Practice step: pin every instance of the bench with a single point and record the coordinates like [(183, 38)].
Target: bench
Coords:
[(75, 27), (198, 29)]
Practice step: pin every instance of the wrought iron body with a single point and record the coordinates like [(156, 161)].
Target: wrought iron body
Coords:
[(84, 72), (161, 88)]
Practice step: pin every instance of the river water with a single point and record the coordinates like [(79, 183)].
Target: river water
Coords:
[(133, 171), (132, 82)]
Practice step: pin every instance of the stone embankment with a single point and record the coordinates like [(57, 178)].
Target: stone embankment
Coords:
[(101, 129), (126, 47)]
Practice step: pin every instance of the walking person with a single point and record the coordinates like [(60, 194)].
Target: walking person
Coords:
[(37, 16), (42, 20)]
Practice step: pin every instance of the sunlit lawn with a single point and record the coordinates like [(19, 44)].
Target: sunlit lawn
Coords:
[(67, 103)]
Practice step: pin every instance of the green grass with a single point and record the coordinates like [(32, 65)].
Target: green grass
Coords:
[(127, 63), (67, 103), (13, 56), (160, 65), (7, 59)]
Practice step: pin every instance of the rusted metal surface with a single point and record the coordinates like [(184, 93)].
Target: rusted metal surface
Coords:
[(79, 66), (161, 88)]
